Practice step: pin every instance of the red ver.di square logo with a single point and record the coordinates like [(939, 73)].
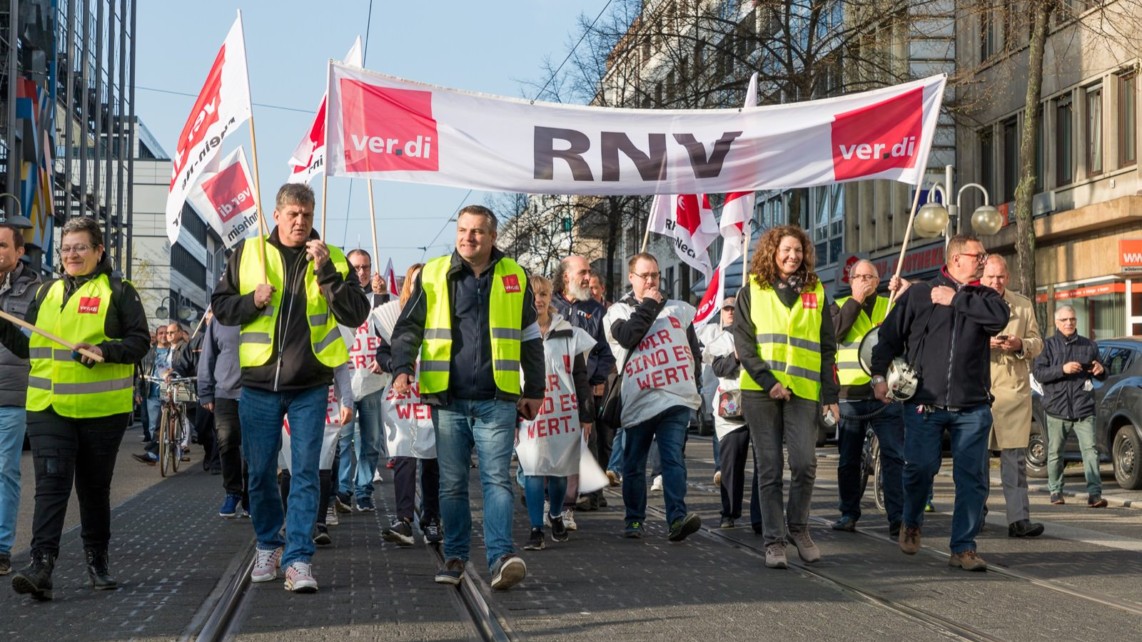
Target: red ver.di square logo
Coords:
[(89, 305), (878, 137), (511, 283), (387, 129)]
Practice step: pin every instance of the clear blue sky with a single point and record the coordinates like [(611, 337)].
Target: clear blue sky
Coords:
[(492, 47)]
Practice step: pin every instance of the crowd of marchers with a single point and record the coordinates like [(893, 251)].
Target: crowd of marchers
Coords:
[(312, 379)]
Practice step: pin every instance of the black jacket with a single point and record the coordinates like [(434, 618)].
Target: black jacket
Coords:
[(23, 281), (125, 327), (588, 315), (745, 340), (292, 365), (947, 345), (1063, 394), (471, 376)]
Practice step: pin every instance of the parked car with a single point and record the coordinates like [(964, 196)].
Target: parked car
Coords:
[(1117, 421)]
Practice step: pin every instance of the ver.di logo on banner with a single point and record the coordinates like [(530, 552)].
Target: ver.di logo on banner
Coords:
[(878, 137), (387, 129)]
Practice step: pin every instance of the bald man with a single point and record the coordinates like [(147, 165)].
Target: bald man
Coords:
[(853, 318)]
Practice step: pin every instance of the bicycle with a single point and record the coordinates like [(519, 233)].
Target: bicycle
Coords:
[(870, 468), (175, 393)]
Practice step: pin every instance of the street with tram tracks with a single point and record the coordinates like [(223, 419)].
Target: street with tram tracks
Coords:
[(182, 574)]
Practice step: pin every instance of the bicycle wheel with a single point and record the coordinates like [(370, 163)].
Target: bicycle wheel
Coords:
[(176, 439), (164, 440), (866, 463), (878, 479)]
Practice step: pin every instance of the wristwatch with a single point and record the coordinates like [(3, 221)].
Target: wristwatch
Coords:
[(877, 379)]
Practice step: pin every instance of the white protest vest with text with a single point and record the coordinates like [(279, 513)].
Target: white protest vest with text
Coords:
[(363, 344), (661, 371), (719, 342), (408, 424), (549, 444)]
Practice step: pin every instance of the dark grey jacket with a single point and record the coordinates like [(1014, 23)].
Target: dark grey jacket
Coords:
[(1064, 395), (219, 375), (15, 299)]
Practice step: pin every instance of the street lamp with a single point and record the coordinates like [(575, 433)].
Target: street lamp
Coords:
[(934, 218), (183, 311), (17, 219)]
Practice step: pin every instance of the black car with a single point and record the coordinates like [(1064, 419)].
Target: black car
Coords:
[(1117, 421)]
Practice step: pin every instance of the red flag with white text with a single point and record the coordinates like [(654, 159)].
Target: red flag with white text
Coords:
[(736, 212), (223, 104), (391, 279), (307, 161)]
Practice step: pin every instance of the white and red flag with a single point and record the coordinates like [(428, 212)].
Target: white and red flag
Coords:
[(223, 105), (307, 161), (736, 212), (225, 198), (689, 220), (391, 279)]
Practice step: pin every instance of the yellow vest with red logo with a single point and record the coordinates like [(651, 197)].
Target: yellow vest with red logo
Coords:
[(788, 339), (56, 379), (849, 372)]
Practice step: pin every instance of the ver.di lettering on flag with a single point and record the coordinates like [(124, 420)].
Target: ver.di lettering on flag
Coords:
[(225, 198), (223, 104)]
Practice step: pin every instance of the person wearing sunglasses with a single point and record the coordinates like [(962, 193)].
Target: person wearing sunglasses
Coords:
[(943, 329)]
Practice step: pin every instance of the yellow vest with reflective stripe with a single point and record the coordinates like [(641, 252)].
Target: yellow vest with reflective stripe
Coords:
[(849, 371), (72, 389), (256, 339), (788, 339), (505, 318)]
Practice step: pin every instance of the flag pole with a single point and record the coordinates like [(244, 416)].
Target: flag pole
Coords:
[(49, 336), (263, 230), (324, 211), (646, 234), (373, 222)]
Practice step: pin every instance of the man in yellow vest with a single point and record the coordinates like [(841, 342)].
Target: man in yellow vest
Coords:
[(853, 318), (288, 346), (471, 320)]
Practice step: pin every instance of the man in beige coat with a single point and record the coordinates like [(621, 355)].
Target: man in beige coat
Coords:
[(1012, 352)]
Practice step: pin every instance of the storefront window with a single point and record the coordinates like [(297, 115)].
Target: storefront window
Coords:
[(1101, 317)]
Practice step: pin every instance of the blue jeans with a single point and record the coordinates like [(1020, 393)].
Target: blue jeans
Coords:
[(365, 434), (616, 462), (1057, 430), (533, 487), (261, 413), (489, 427), (888, 424), (969, 429), (154, 415), (13, 424), (668, 428)]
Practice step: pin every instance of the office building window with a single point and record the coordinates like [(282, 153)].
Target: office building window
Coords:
[(1064, 143), (1128, 119), (987, 161), (1094, 130), (1010, 158), (986, 33)]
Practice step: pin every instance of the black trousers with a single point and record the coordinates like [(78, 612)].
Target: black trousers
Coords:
[(229, 429), (404, 486), (73, 452), (606, 437), (733, 450)]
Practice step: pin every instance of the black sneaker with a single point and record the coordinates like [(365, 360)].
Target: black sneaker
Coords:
[(321, 535), (685, 527), (1024, 528), (1057, 499), (727, 522), (5, 563), (894, 530), (399, 532), (451, 573), (559, 531), (432, 534), (1096, 501), (365, 504), (536, 541), (846, 523), (508, 571), (633, 530)]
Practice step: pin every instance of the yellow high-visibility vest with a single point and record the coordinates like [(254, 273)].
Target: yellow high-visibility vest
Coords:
[(788, 339), (56, 379), (256, 339), (849, 372), (505, 318)]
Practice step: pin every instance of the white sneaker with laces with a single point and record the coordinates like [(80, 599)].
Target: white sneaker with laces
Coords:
[(569, 519), (299, 578), (656, 485), (266, 564), (331, 518)]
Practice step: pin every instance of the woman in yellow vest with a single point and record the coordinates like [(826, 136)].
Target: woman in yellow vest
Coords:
[(784, 339), (78, 409)]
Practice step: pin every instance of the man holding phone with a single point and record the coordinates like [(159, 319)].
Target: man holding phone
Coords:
[(1012, 352), (1065, 368)]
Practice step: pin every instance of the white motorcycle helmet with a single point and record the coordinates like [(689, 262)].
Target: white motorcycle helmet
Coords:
[(901, 378)]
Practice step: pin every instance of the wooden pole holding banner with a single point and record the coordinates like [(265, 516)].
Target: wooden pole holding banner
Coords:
[(911, 219), (373, 226), (324, 211), (263, 229), (49, 336)]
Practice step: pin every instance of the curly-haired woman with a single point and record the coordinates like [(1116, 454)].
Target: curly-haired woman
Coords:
[(787, 349)]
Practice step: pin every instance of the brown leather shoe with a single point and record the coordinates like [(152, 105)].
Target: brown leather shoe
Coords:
[(910, 540), (967, 560)]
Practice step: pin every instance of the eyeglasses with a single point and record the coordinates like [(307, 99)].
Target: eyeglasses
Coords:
[(649, 276), (863, 277), (980, 257), (1067, 320), (78, 249)]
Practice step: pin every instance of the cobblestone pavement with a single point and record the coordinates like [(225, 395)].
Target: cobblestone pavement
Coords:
[(172, 554)]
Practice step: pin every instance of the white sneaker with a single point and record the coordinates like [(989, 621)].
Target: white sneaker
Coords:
[(266, 564), (656, 485), (331, 518), (299, 578), (569, 519)]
